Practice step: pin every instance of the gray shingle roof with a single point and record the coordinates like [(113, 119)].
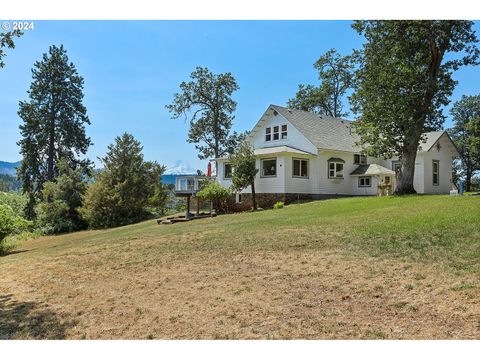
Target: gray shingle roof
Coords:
[(326, 132), (371, 169)]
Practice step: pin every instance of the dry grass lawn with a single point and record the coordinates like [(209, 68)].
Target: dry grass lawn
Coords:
[(363, 268)]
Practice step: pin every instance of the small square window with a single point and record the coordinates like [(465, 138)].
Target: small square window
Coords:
[(364, 181)]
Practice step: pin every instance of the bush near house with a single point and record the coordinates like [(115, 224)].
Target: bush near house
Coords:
[(279, 205), (217, 194)]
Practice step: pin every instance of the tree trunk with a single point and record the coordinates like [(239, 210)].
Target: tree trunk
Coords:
[(468, 178), (254, 200), (407, 171)]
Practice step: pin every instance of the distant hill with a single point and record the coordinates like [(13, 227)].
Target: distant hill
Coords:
[(9, 168)]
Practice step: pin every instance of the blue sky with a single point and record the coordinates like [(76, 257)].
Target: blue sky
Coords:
[(133, 68)]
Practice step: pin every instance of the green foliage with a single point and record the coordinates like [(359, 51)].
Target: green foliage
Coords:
[(464, 114), (208, 97), (474, 140), (213, 191), (10, 223), (244, 169), (279, 205), (6, 41), (335, 73), (9, 183), (59, 210), (15, 201), (128, 188), (403, 82), (54, 120)]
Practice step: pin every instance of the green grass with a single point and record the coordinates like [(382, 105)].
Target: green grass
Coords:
[(439, 229), (311, 270)]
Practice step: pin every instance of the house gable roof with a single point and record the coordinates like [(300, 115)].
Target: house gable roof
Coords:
[(325, 132), (329, 133)]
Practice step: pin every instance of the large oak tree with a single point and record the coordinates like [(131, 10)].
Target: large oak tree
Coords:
[(54, 120), (207, 98), (335, 73), (464, 113), (403, 82)]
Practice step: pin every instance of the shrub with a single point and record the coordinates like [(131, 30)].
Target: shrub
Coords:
[(10, 223), (279, 205), (217, 194), (15, 200), (129, 189), (59, 211)]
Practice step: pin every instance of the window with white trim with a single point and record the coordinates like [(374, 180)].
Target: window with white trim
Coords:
[(300, 168), (365, 181), (436, 172), (268, 134), (276, 134), (335, 170), (284, 132), (227, 171), (269, 167), (359, 159)]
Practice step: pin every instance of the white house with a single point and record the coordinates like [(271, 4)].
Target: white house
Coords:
[(306, 155)]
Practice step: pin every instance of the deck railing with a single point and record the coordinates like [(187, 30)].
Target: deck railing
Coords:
[(190, 183)]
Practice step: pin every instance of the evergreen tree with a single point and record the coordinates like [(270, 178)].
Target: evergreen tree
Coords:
[(128, 188), (62, 199), (54, 120), (403, 83)]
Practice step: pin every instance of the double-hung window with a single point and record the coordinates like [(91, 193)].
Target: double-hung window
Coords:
[(300, 168), (335, 168), (276, 134), (284, 132), (268, 134), (436, 172)]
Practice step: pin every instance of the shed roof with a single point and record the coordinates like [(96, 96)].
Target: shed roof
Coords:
[(371, 169)]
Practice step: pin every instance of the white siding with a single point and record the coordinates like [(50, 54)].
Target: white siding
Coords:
[(445, 175), (294, 138), (262, 184), (418, 183)]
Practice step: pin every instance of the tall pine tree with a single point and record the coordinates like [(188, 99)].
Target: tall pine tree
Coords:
[(54, 120)]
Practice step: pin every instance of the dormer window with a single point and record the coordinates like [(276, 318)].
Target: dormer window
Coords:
[(268, 134), (276, 133)]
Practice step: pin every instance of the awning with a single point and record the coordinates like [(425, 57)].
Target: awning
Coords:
[(371, 169)]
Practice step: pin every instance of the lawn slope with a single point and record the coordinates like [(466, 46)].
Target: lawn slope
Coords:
[(393, 267)]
